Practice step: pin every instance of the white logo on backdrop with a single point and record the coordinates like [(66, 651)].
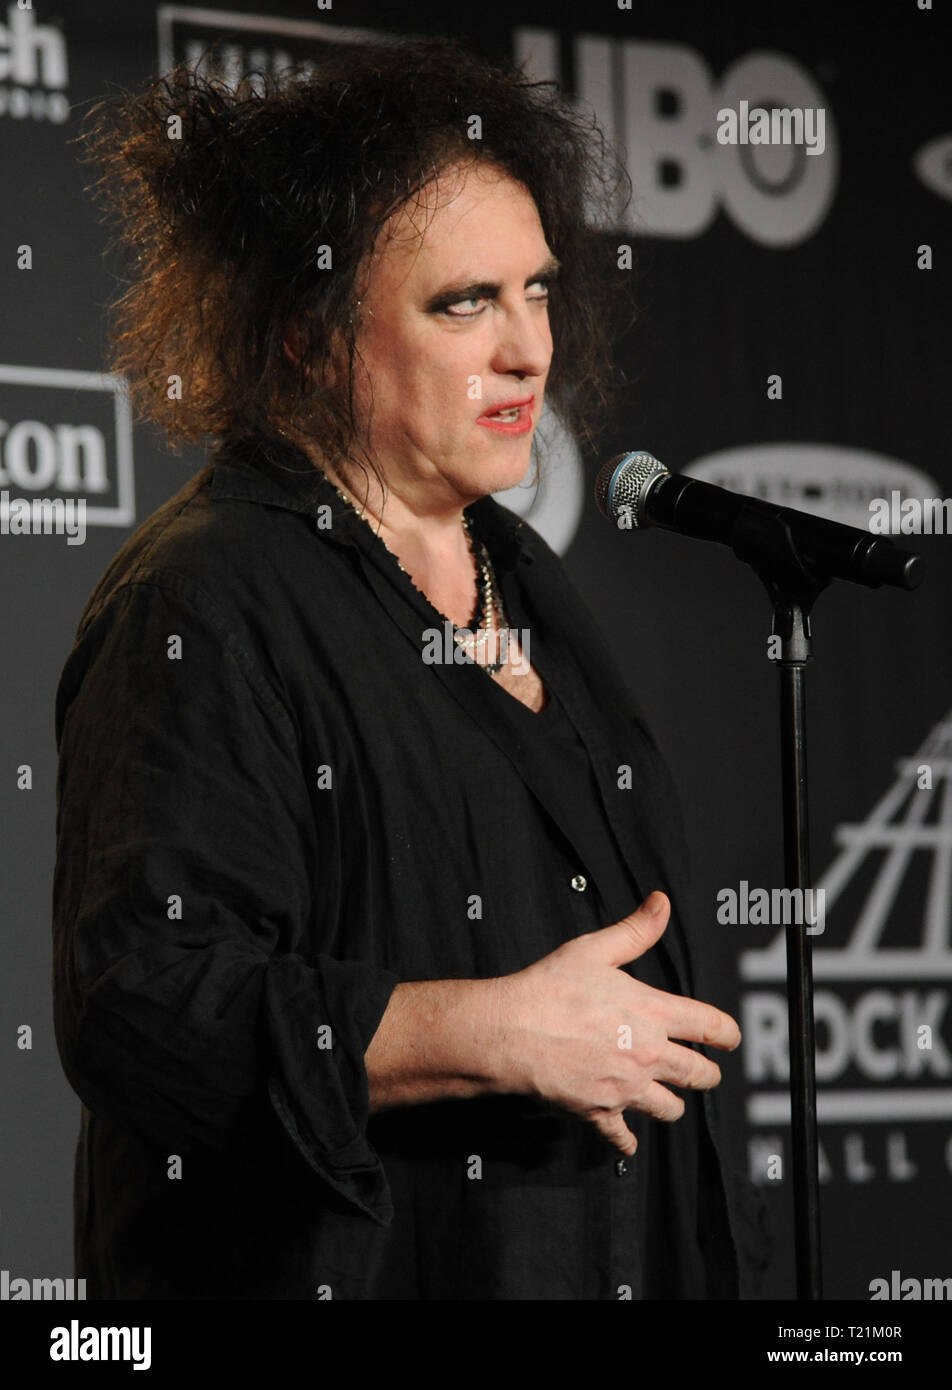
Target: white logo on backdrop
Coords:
[(893, 1035), (933, 164), (909, 818), (658, 103), (261, 42), (49, 450), (34, 72), (827, 480), (554, 505)]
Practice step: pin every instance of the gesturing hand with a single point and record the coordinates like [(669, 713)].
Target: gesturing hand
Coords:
[(580, 1032)]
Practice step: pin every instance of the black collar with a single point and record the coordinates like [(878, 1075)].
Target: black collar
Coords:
[(274, 472)]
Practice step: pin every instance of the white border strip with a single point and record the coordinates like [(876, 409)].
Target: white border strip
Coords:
[(850, 1107), (852, 966)]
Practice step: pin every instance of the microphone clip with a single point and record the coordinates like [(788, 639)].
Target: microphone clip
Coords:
[(765, 543)]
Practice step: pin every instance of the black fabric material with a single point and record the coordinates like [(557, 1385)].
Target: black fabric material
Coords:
[(669, 1164), (221, 912)]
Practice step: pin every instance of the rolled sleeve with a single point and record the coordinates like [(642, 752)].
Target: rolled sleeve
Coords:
[(192, 1000)]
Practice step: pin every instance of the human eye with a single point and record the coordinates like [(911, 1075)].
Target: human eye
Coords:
[(538, 291), (467, 308)]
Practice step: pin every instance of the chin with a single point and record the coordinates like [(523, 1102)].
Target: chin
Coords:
[(506, 471)]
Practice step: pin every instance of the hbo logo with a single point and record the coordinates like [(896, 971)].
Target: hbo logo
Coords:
[(658, 103)]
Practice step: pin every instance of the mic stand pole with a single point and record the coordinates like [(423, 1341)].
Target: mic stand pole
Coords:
[(764, 542)]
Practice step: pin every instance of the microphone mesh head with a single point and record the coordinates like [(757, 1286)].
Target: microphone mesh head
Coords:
[(623, 484)]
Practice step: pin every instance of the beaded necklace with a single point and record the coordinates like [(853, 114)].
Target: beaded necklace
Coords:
[(489, 608)]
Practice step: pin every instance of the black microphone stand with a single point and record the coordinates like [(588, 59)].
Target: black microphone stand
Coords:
[(765, 543), (764, 539)]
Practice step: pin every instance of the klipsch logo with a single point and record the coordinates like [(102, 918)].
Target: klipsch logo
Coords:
[(34, 73), (882, 972), (824, 479), (65, 453), (248, 42)]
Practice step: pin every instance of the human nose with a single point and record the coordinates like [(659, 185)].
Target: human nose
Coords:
[(524, 341)]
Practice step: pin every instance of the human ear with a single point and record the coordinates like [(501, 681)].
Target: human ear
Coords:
[(292, 342)]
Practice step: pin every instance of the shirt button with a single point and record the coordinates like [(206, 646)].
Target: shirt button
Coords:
[(621, 1167), (580, 883)]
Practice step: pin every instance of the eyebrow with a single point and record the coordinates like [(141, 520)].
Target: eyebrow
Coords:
[(488, 289)]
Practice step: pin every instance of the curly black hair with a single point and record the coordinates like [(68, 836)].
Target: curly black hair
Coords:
[(228, 198)]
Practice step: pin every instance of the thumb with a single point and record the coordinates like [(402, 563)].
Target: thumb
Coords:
[(628, 939)]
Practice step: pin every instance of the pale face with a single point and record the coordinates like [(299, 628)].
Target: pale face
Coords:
[(455, 325)]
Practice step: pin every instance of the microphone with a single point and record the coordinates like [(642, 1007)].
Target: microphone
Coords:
[(636, 491)]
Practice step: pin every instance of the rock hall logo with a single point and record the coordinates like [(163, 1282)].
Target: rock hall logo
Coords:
[(882, 973)]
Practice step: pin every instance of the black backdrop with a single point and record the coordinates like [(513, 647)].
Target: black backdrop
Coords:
[(827, 271)]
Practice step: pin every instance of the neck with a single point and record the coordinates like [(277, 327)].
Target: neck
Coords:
[(429, 541)]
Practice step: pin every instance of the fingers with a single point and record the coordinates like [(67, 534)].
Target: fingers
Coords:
[(689, 1019), (679, 1066), (613, 1128), (628, 939), (660, 1103), (655, 1101), (705, 1024)]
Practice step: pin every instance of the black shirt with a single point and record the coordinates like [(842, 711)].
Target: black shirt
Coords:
[(271, 809), (666, 1170)]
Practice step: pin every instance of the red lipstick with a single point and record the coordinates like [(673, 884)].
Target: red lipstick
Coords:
[(509, 417)]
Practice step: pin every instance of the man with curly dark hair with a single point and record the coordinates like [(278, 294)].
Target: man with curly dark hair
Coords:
[(355, 974)]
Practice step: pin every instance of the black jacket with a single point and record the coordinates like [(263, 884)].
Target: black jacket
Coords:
[(270, 810)]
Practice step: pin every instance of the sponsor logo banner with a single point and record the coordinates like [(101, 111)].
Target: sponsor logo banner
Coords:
[(263, 43), (66, 435)]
